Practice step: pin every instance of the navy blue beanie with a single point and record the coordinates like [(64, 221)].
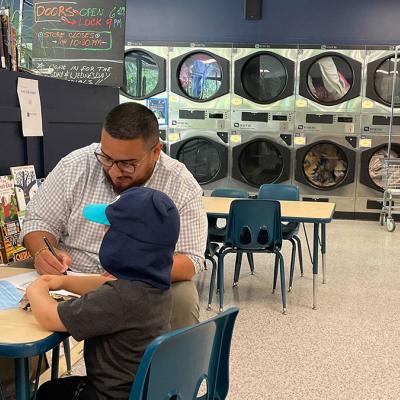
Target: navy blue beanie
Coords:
[(140, 243)]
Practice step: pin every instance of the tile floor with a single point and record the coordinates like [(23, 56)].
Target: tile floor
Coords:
[(348, 349)]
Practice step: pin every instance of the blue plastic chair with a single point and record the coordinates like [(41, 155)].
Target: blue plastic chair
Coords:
[(175, 364), (253, 226), (289, 230), (217, 234), (210, 253)]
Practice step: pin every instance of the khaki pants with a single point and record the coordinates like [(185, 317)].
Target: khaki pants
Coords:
[(185, 312)]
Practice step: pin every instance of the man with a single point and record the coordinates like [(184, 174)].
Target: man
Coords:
[(129, 155)]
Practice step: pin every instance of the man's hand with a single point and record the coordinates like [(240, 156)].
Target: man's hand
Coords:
[(46, 263)]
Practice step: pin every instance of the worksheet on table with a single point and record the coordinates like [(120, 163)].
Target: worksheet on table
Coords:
[(22, 281)]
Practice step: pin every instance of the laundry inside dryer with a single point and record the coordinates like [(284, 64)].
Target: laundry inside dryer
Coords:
[(200, 76), (329, 79), (325, 165), (375, 167)]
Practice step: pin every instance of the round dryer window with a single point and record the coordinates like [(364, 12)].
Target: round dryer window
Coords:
[(375, 169), (383, 81), (325, 165), (141, 74), (264, 78), (261, 162), (200, 76), (329, 79), (201, 158)]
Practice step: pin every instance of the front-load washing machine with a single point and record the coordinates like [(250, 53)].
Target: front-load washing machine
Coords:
[(329, 78), (205, 154), (324, 170), (259, 158), (372, 151), (263, 77), (200, 82), (145, 77), (378, 84)]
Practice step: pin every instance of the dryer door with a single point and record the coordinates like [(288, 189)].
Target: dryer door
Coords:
[(200, 76), (260, 161), (330, 78), (371, 165), (264, 77), (325, 165), (206, 159), (144, 74), (380, 81)]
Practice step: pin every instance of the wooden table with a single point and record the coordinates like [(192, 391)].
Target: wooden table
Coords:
[(317, 213), (22, 337)]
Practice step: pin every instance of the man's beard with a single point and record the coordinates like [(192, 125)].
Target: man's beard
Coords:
[(136, 183)]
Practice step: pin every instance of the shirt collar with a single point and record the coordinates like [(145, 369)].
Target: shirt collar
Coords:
[(156, 167)]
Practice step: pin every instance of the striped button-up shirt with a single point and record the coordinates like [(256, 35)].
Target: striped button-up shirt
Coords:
[(79, 179)]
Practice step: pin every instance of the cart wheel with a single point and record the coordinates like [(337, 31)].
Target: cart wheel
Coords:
[(390, 224), (382, 219)]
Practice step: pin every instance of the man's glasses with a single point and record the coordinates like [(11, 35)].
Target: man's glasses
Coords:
[(128, 166)]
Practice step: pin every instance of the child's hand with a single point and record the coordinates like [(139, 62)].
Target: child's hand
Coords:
[(53, 282), (39, 285)]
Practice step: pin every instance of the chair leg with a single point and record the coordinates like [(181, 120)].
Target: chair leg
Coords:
[(250, 259), (292, 261), (220, 282), (205, 265), (275, 273), (300, 251), (67, 353), (238, 265), (283, 284), (212, 283)]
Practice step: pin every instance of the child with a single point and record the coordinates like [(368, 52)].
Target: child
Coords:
[(117, 316)]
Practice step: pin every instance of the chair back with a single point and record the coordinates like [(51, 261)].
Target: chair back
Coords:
[(279, 192), (175, 364), (233, 193), (254, 224)]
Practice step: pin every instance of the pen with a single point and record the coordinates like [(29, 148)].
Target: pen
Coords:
[(51, 249)]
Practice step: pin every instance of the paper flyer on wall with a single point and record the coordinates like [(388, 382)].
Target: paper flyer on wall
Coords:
[(31, 109)]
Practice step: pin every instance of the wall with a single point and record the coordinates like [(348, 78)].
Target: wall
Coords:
[(284, 21)]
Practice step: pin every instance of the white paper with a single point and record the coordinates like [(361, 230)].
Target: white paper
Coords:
[(22, 281), (31, 109)]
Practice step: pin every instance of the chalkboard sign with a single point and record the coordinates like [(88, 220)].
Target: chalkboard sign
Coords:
[(80, 41)]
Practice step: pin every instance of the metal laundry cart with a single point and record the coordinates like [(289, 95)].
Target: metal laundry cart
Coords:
[(391, 168)]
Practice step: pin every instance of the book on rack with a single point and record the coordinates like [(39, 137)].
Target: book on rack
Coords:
[(2, 44), (8, 41), (10, 228), (4, 25), (25, 184), (13, 48)]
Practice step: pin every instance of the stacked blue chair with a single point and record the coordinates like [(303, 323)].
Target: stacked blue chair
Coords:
[(210, 253), (217, 234), (289, 230), (254, 226), (175, 364)]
